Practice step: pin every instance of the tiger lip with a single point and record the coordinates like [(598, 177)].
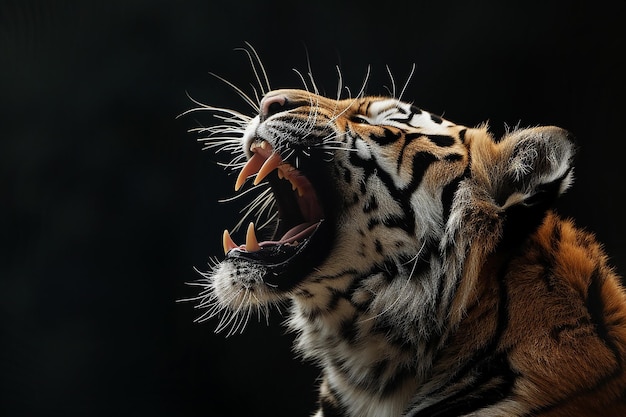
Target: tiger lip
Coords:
[(265, 160)]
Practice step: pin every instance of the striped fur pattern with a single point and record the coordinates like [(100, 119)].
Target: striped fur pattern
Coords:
[(448, 287)]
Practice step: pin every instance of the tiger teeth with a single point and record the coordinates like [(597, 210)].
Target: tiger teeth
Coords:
[(228, 242), (262, 165), (256, 163), (252, 167), (268, 166), (252, 244)]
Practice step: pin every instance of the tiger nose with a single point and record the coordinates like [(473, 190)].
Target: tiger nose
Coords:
[(272, 104)]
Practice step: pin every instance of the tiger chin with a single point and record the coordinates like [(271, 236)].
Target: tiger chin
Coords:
[(426, 273)]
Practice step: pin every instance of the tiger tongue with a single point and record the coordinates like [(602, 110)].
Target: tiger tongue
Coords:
[(297, 233), (294, 235)]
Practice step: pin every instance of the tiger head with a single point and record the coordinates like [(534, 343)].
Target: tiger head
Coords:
[(375, 206)]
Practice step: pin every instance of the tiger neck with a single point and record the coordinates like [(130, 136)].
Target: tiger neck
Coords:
[(379, 331)]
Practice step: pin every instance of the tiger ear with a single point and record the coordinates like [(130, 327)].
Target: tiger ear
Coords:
[(532, 168), (536, 166), (511, 184)]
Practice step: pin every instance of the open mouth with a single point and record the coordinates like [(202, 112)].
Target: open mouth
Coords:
[(302, 236)]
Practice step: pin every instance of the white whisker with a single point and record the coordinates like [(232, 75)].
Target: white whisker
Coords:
[(339, 83), (239, 91), (310, 72), (304, 84), (406, 84), (254, 60), (364, 85), (265, 88), (361, 92), (392, 93)]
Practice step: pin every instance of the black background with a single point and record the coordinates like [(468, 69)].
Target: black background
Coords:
[(108, 204)]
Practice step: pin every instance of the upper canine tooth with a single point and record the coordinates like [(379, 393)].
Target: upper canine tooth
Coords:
[(251, 167), (268, 166), (252, 245)]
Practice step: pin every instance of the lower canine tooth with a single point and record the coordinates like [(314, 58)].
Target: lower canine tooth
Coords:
[(227, 241), (252, 244)]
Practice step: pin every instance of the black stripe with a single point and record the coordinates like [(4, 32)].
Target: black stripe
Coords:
[(403, 222), (453, 157), (335, 296), (421, 162), (416, 110), (337, 275), (408, 139), (378, 246), (387, 137), (447, 194), (462, 135), (349, 329), (493, 381), (347, 175), (372, 223), (421, 264), (400, 119), (368, 104), (595, 306), (547, 255), (444, 141), (403, 197), (370, 205), (436, 119)]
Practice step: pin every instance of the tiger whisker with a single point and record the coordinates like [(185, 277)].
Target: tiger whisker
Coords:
[(339, 82), (310, 72), (254, 58), (361, 91), (406, 84), (392, 93)]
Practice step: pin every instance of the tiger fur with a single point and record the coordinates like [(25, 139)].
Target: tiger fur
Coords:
[(430, 275)]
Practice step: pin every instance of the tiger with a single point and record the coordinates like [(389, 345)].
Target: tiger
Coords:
[(423, 263)]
